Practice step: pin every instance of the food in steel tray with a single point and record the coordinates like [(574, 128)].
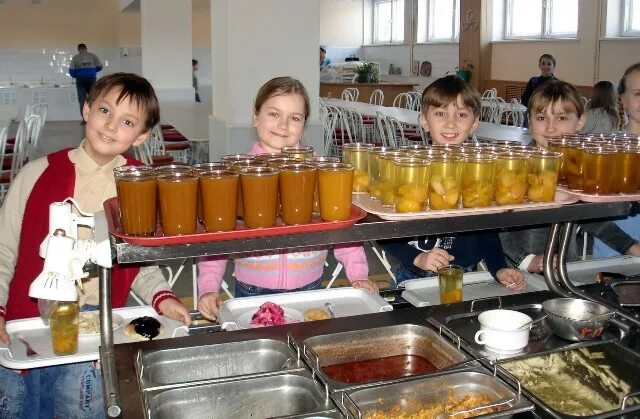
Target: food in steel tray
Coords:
[(379, 369), (460, 407), (269, 314), (575, 382), (315, 314), (143, 328)]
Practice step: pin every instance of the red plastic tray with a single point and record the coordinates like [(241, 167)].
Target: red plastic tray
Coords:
[(112, 212)]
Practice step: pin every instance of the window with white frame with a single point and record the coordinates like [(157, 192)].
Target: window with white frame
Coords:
[(388, 21), (438, 21), (541, 19), (631, 18)]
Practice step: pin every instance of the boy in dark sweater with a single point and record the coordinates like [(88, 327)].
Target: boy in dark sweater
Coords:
[(450, 113)]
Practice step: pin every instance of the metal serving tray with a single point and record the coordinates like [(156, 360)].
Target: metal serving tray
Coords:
[(416, 394), (286, 395), (465, 325), (156, 368), (345, 301), (628, 292), (360, 345), (623, 362)]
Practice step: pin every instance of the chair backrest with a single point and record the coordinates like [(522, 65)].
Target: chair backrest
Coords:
[(23, 147), (356, 126), (143, 153), (490, 93), (513, 116), (390, 130), (416, 97), (498, 110), (347, 94), (403, 100), (377, 97), (354, 92), (155, 141), (40, 110)]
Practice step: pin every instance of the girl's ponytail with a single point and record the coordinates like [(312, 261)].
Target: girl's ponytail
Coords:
[(620, 114)]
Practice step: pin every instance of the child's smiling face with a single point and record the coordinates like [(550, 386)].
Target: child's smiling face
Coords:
[(449, 124), (553, 121), (112, 127)]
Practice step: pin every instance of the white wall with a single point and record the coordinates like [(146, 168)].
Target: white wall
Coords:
[(578, 60), (341, 23)]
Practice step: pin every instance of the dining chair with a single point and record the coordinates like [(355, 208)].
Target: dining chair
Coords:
[(514, 116), (377, 97), (416, 97), (5, 173), (403, 100), (347, 94), (356, 125), (390, 130)]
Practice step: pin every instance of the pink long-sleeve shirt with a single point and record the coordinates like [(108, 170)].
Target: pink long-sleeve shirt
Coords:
[(282, 269)]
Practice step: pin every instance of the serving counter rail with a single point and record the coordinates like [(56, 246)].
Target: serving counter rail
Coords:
[(118, 376)]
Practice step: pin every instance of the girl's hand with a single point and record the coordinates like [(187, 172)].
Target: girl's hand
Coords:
[(366, 285), (512, 279), (174, 309), (433, 260), (208, 305)]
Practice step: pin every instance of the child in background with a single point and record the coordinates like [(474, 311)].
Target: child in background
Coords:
[(280, 111), (601, 116), (629, 105), (119, 112), (555, 109), (450, 112)]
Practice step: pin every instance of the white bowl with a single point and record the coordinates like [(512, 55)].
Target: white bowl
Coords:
[(500, 330)]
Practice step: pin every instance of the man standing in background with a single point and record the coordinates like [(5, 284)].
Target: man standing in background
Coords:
[(324, 61), (84, 68), (194, 67)]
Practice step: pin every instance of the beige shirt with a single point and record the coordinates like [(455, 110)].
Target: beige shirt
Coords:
[(94, 184)]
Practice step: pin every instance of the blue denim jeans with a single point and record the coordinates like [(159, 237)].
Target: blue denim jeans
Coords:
[(246, 290), (61, 391)]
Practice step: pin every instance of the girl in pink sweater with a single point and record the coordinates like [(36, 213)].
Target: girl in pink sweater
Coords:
[(280, 111)]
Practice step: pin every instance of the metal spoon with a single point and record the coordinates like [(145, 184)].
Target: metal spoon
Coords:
[(332, 315), (523, 326)]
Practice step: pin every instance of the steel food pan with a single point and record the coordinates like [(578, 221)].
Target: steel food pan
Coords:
[(293, 394), (182, 365), (379, 342), (589, 380), (412, 395), (541, 339), (628, 292)]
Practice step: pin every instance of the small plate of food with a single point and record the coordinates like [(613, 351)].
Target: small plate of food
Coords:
[(268, 314), (89, 323), (144, 328)]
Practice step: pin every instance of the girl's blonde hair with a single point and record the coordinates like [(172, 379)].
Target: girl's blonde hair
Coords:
[(281, 86), (555, 91), (622, 87)]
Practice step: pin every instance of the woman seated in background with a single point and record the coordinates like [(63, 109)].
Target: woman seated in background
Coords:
[(602, 113)]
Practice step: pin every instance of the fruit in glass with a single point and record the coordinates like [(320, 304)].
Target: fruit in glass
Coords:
[(510, 182), (542, 177), (357, 154), (450, 283), (412, 179), (598, 168), (477, 180), (444, 182), (63, 325)]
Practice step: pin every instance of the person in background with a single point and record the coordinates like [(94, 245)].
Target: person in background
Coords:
[(602, 113), (546, 64), (194, 68), (120, 110), (557, 108), (450, 113), (84, 68), (280, 111), (324, 61), (629, 106)]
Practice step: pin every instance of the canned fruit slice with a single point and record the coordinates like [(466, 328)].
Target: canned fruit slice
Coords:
[(360, 181)]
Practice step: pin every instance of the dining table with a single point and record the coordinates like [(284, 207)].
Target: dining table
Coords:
[(486, 130)]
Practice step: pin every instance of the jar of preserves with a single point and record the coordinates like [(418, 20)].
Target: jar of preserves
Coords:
[(542, 177), (357, 154), (477, 179), (510, 182), (444, 182), (412, 179), (598, 168)]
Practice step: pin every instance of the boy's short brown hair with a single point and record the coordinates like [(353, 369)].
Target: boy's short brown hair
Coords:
[(446, 90), (136, 88), (555, 91), (281, 86)]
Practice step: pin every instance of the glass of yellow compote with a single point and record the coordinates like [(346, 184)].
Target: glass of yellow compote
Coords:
[(387, 179), (357, 154), (477, 179), (444, 183), (510, 181), (412, 178), (542, 176)]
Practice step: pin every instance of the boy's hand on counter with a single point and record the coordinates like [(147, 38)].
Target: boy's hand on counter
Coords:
[(174, 309), (536, 265), (433, 260), (208, 305), (366, 285), (512, 279), (4, 336)]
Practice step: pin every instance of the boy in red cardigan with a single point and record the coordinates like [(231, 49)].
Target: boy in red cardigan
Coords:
[(119, 112)]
